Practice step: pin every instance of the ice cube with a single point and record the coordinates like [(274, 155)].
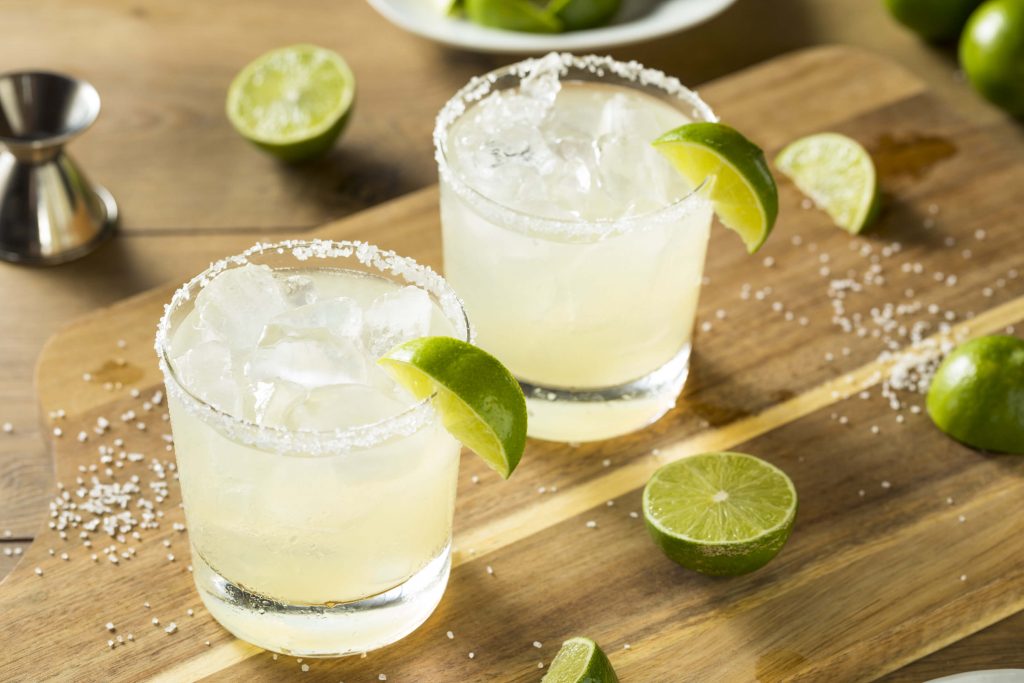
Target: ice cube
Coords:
[(397, 317), (275, 400), (342, 406), (299, 290), (311, 362), (234, 307), (207, 371), (341, 317)]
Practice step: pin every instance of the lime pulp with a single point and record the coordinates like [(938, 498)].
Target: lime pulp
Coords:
[(580, 660)]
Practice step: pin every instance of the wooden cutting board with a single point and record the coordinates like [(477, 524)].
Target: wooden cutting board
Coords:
[(905, 541)]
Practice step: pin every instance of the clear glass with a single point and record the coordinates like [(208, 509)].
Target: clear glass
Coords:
[(594, 316), (316, 543)]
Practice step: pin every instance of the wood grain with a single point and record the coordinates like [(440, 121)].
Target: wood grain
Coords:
[(869, 582)]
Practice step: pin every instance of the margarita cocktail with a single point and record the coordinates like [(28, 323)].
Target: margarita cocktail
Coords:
[(318, 491), (577, 248)]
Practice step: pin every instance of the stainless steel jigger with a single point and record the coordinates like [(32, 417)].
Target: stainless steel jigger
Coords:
[(49, 213)]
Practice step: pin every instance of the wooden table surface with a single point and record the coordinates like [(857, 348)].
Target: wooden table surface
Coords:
[(164, 148)]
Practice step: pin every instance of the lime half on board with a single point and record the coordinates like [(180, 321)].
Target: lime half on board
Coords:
[(721, 514)]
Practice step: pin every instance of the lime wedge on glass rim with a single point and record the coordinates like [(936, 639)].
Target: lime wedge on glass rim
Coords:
[(721, 514), (580, 661), (292, 102), (742, 189), (480, 402), (837, 173)]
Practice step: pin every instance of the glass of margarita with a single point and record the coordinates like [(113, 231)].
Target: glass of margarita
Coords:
[(318, 492), (577, 248)]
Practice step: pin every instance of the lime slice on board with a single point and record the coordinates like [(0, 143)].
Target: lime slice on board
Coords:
[(977, 394), (292, 102), (580, 661), (837, 174), (512, 15), (479, 400), (743, 191), (721, 514)]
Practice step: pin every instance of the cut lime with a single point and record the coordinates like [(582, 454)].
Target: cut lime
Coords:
[(743, 190), (582, 14), (513, 15), (479, 400), (448, 7), (977, 394), (838, 174), (292, 102), (580, 661), (721, 514)]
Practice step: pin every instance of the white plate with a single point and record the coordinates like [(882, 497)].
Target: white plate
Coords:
[(638, 20), (989, 676)]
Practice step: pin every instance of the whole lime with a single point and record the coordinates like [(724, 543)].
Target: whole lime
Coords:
[(933, 19), (977, 394), (992, 53)]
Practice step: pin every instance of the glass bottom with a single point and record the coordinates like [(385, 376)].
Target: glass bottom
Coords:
[(321, 630), (568, 415)]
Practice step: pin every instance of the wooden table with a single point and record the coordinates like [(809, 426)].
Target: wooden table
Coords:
[(167, 153)]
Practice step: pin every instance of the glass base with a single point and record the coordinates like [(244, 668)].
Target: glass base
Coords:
[(320, 630), (568, 415)]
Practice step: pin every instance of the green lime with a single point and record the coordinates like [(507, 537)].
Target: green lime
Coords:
[(580, 661), (977, 394), (513, 15), (479, 400), (992, 53), (581, 14), (292, 102), (933, 19), (743, 191), (838, 174), (721, 514), (449, 7)]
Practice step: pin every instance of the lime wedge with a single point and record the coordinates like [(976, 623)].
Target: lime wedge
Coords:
[(743, 190), (837, 174), (512, 15), (977, 394), (580, 661), (292, 102), (721, 514), (448, 8), (479, 400), (582, 14)]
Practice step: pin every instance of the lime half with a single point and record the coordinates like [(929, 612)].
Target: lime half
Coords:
[(479, 400), (743, 190), (977, 394), (721, 514), (580, 661), (837, 174), (292, 102)]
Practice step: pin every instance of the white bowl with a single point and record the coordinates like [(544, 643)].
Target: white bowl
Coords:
[(988, 676), (637, 21)]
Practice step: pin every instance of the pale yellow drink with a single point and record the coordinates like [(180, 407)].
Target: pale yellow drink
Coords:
[(577, 248), (319, 494)]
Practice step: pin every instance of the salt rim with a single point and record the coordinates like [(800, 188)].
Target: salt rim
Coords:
[(308, 442), (564, 230)]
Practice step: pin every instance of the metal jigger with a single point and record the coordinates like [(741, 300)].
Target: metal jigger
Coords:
[(49, 213)]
